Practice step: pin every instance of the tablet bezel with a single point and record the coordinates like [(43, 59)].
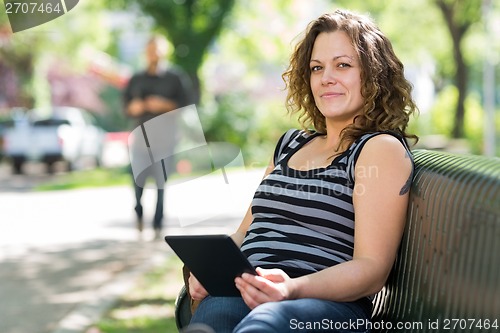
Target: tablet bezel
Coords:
[(215, 260)]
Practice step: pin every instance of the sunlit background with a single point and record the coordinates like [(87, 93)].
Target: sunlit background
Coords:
[(235, 52)]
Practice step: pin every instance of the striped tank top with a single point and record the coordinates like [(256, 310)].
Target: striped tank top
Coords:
[(303, 221)]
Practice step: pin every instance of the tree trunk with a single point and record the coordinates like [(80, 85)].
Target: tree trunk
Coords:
[(457, 32)]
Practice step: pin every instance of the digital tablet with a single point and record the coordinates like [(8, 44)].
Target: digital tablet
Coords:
[(215, 260)]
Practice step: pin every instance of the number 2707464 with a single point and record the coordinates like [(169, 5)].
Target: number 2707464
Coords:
[(465, 324), (32, 8)]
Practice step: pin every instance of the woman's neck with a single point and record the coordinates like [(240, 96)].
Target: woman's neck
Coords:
[(333, 133)]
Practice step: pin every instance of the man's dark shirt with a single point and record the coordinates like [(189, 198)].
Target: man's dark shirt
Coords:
[(171, 84)]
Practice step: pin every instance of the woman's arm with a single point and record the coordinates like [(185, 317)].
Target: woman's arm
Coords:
[(380, 203)]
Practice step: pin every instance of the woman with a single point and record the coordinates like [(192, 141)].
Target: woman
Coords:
[(326, 221)]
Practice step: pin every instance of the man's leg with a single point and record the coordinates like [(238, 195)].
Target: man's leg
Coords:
[(158, 218), (160, 177), (138, 206), (138, 190)]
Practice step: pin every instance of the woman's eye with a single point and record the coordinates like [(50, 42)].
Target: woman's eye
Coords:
[(343, 65), (315, 68)]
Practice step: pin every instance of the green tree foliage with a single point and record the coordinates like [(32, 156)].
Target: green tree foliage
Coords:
[(448, 33), (190, 25), (243, 99), (18, 56), (64, 39)]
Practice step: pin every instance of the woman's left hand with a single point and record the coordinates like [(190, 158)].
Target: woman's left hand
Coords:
[(269, 285)]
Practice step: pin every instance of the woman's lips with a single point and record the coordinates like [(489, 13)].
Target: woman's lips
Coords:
[(331, 94)]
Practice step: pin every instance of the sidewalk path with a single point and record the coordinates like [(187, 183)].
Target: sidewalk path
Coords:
[(65, 254)]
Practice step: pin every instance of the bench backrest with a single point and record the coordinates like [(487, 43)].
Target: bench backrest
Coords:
[(448, 267)]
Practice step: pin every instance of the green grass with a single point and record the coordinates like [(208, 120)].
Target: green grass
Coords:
[(88, 178), (102, 177), (149, 307)]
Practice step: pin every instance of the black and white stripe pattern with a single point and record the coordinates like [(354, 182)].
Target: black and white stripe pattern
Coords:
[(303, 221)]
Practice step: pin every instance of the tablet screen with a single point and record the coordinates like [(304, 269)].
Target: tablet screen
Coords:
[(215, 260)]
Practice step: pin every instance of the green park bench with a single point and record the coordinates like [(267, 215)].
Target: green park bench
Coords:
[(447, 273)]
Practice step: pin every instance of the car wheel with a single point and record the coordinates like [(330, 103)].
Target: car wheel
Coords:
[(17, 165), (70, 166), (50, 167)]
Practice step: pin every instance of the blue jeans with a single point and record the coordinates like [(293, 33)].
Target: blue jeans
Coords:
[(230, 314)]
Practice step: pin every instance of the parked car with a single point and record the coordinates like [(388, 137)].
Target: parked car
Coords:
[(4, 125), (11, 118), (65, 134)]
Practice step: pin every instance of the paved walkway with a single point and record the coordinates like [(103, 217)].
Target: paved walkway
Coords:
[(65, 256)]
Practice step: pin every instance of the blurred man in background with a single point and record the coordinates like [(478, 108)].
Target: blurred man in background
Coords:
[(149, 93)]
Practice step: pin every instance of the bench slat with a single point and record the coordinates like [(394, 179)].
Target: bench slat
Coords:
[(448, 265)]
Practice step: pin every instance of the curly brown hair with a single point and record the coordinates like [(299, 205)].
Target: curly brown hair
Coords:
[(388, 103)]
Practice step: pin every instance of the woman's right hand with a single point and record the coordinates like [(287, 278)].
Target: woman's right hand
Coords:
[(196, 290)]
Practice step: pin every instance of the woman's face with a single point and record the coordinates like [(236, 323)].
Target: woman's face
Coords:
[(336, 77)]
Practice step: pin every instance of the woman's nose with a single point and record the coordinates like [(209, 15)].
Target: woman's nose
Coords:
[(328, 76)]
